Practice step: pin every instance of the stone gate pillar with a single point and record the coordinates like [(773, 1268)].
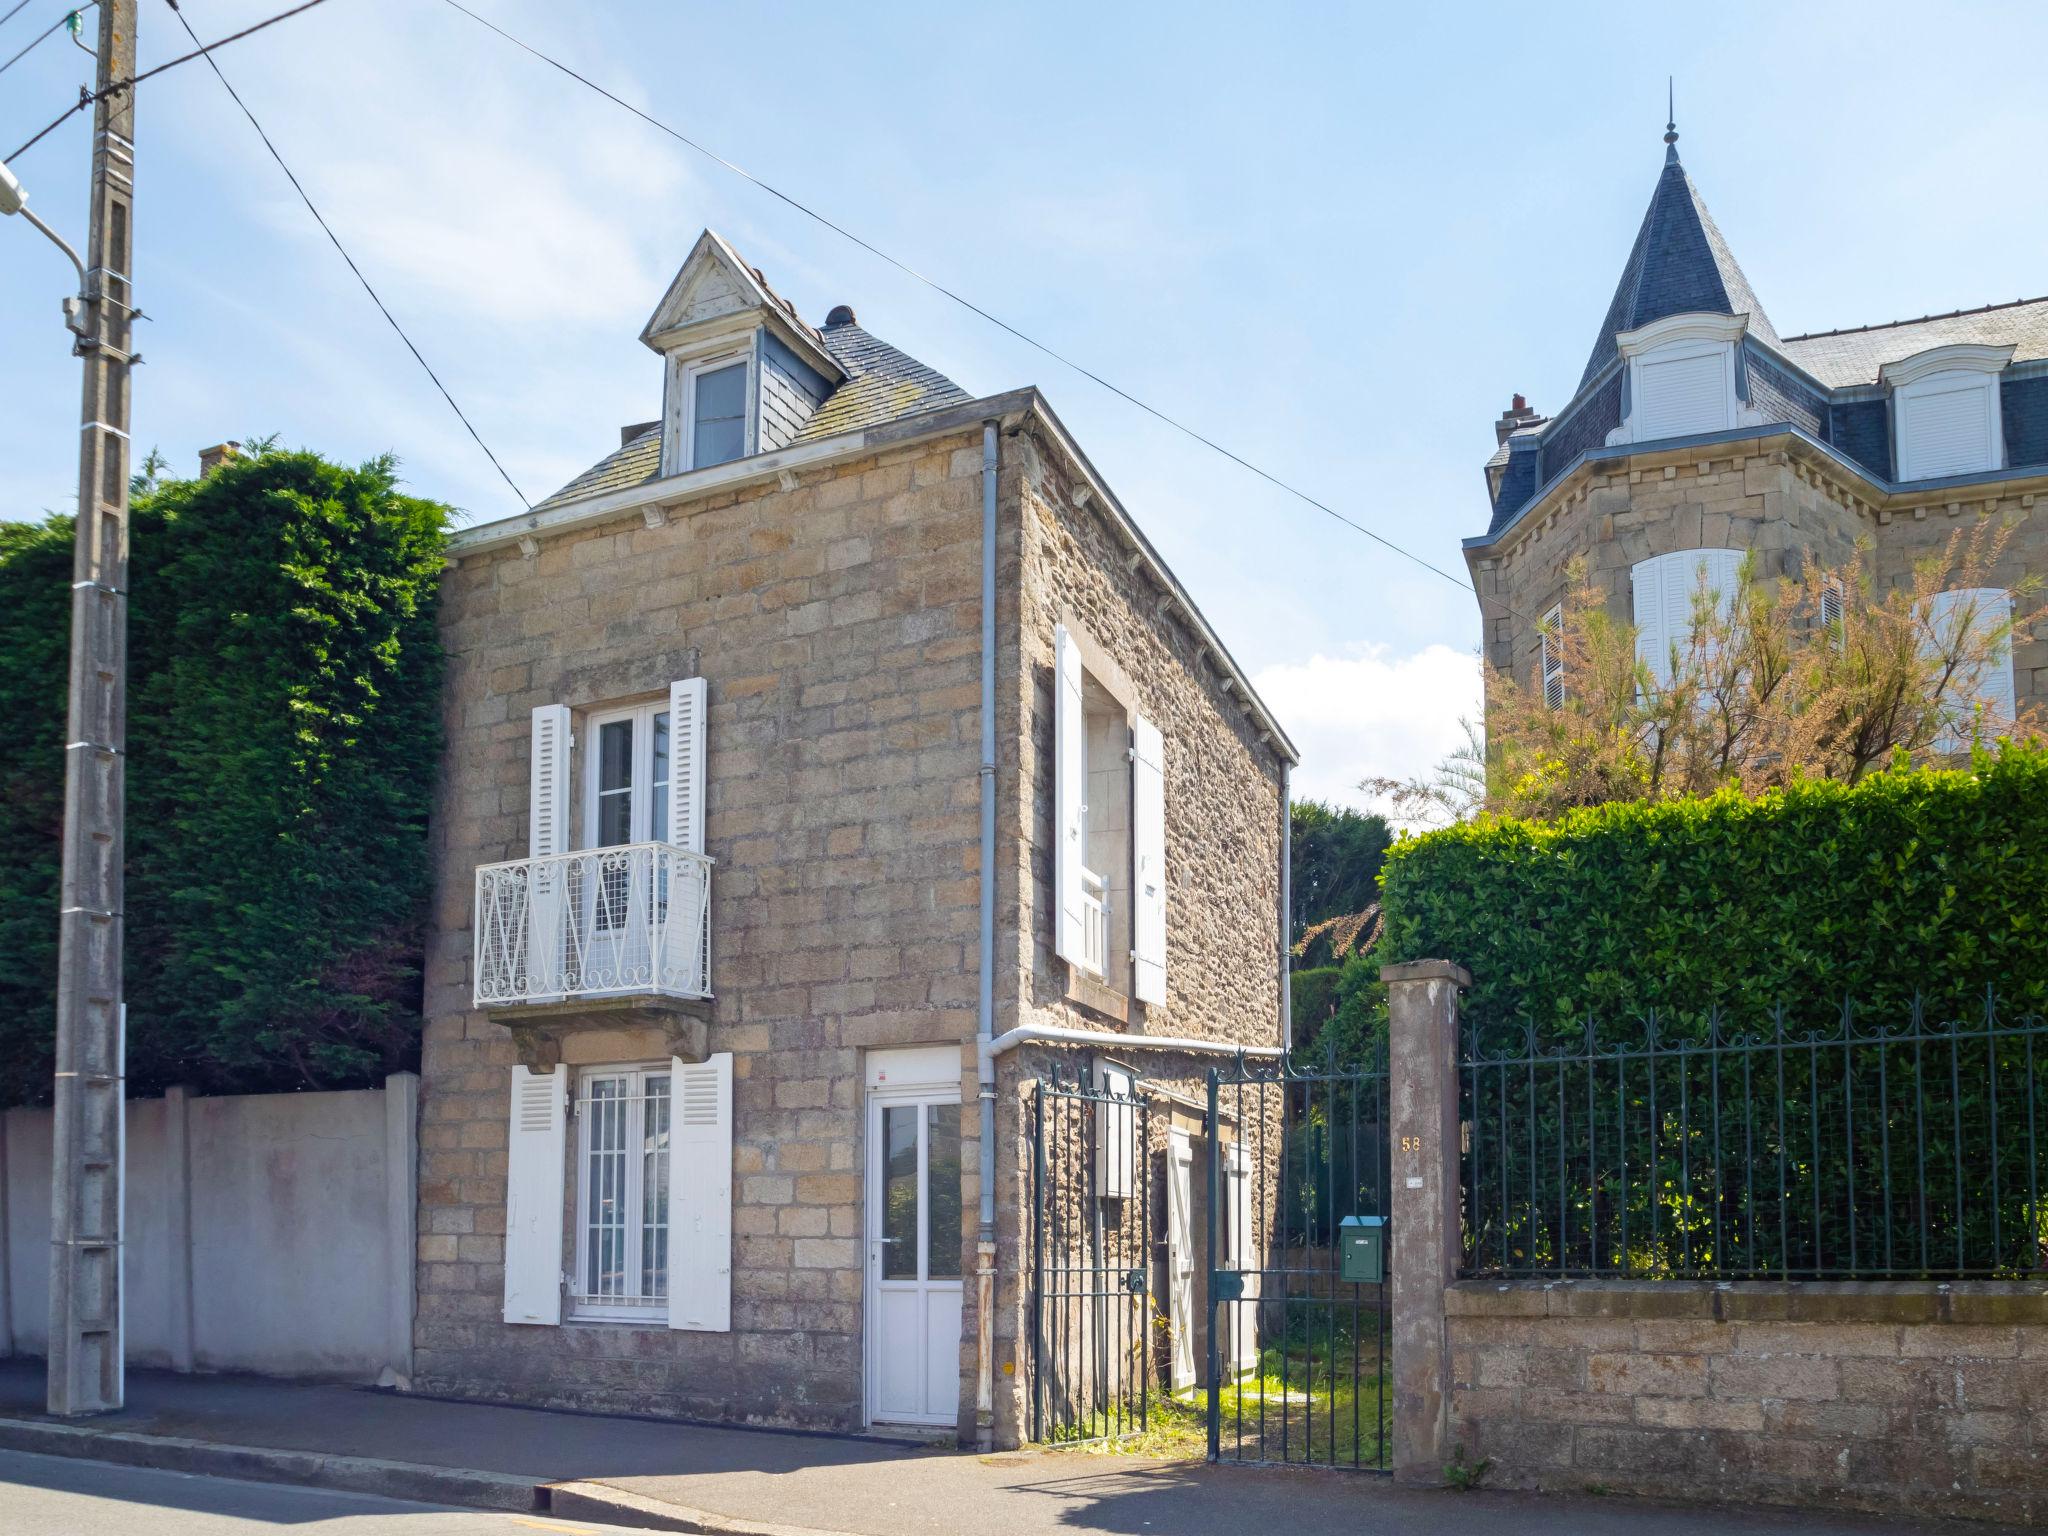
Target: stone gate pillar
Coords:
[(1422, 1108)]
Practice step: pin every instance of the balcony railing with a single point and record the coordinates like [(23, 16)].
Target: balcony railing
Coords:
[(603, 922), (1094, 922)]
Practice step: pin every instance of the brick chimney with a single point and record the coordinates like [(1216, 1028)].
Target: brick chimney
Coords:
[(212, 458), (1517, 416)]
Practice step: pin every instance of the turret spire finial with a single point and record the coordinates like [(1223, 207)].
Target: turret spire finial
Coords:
[(1671, 120)]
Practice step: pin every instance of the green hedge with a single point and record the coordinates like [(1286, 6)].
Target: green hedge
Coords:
[(283, 739), (1924, 881)]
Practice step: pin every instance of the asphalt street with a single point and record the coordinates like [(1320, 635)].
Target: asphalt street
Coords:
[(55, 1496)]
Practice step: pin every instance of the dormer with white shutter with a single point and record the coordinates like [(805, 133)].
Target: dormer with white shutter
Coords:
[(1946, 411), (1682, 378), (743, 373)]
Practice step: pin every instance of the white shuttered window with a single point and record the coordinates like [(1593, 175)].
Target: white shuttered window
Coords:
[(1148, 826), (700, 1196), (1983, 609), (534, 1167), (1665, 589), (1948, 425), (1680, 393), (1070, 810)]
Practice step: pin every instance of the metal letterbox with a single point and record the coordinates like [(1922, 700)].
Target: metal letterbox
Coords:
[(1362, 1249)]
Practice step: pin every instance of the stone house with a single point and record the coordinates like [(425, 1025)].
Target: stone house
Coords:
[(1698, 435), (820, 765)]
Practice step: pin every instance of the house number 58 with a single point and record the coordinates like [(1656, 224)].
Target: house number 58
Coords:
[(1411, 1143)]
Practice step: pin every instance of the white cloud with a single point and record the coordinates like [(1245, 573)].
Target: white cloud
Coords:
[(1372, 713)]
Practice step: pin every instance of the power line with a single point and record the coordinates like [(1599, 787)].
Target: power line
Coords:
[(88, 98), (335, 240), (36, 41), (15, 10), (966, 303)]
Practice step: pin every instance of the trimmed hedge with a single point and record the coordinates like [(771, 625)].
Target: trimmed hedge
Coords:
[(1911, 882), (283, 740)]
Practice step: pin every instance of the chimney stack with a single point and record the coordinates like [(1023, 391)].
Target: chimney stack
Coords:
[(1517, 416), (213, 458)]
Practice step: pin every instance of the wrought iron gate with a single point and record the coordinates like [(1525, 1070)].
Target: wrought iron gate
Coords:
[(1188, 1263), (1299, 1330), (1092, 1250)]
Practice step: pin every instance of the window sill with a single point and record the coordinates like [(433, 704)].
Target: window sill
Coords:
[(1097, 996)]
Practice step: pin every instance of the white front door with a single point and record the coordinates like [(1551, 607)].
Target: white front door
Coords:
[(1180, 1255), (914, 1255)]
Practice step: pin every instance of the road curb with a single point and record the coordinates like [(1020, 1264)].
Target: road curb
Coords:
[(262, 1464), (615, 1506)]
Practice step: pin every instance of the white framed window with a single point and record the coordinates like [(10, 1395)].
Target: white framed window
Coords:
[(717, 413), (1550, 641), (1990, 683), (621, 1194), (1665, 589), (1946, 417), (626, 777), (1681, 377)]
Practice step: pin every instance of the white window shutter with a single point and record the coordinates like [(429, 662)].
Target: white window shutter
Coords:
[(1653, 636), (1115, 1135), (1248, 1257), (1680, 396), (1994, 684), (547, 833), (536, 1147), (686, 706), (1070, 789), (700, 1194), (1148, 840), (1664, 589)]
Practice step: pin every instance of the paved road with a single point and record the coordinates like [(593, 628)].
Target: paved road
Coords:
[(54, 1496)]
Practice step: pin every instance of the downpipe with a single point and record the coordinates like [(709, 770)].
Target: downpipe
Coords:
[(985, 1004)]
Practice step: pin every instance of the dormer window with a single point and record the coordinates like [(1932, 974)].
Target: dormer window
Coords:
[(716, 412), (1945, 411), (1682, 378)]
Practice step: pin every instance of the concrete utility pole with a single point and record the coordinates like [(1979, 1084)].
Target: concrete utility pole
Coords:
[(86, 1373)]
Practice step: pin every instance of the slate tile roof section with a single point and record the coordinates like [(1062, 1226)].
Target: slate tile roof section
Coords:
[(1680, 264), (882, 384), (1840, 359)]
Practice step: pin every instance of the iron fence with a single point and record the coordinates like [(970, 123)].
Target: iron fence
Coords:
[(1887, 1150)]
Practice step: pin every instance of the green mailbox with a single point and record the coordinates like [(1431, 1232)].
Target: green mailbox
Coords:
[(1362, 1249)]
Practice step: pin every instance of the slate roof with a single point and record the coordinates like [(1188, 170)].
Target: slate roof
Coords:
[(1680, 264), (882, 384), (1840, 359)]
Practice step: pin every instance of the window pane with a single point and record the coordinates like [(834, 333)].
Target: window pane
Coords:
[(721, 411), (942, 1157), (614, 783), (658, 820), (899, 1192), (654, 1190), (604, 1188)]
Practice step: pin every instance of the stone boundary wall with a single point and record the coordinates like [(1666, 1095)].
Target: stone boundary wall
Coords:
[(1903, 1397)]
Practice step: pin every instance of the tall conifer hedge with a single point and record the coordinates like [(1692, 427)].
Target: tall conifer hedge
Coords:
[(283, 738)]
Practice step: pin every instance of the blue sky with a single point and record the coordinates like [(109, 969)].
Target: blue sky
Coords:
[(1335, 238)]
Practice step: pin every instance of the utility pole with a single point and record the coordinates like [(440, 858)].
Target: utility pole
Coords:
[(86, 1374)]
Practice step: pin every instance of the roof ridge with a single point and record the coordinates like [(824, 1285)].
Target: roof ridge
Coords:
[(1886, 325)]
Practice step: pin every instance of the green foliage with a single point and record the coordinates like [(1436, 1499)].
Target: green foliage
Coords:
[(1351, 1031), (1462, 1475), (1336, 856), (1912, 881), (283, 739)]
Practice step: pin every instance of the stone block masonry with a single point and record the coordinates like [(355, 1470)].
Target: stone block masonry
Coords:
[(1898, 1397)]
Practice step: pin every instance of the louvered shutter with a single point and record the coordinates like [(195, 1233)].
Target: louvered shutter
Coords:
[(536, 1146), (686, 706), (1665, 587), (1070, 788), (1947, 431), (1680, 396), (1994, 684), (700, 1194), (1148, 828), (1653, 635), (547, 833)]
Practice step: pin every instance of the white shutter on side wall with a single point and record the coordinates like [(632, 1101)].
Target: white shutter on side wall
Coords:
[(686, 705), (536, 1146), (547, 832), (1070, 790), (1987, 608), (700, 1194), (1148, 827)]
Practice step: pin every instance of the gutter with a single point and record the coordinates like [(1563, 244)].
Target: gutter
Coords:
[(1067, 1034), (1286, 908), (985, 1000)]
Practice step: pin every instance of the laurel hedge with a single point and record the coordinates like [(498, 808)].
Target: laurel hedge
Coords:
[(283, 738), (1912, 883)]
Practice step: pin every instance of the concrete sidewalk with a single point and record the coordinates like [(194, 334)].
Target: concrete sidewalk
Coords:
[(768, 1483)]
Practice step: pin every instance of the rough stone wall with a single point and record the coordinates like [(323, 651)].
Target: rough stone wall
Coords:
[(1780, 503), (838, 627), (1900, 1398)]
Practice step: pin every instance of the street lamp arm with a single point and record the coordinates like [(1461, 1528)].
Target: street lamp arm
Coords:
[(61, 243)]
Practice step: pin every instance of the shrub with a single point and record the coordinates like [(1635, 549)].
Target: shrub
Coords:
[(1913, 881)]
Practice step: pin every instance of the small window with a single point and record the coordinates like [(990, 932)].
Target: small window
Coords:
[(1832, 601), (718, 414), (621, 1191), (628, 778), (1948, 425), (1550, 636)]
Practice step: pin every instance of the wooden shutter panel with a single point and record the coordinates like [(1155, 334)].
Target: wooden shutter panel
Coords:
[(1994, 684), (1115, 1135), (686, 707), (1148, 837), (700, 1194), (1248, 1256), (547, 833), (535, 1178), (1070, 789), (1653, 640)]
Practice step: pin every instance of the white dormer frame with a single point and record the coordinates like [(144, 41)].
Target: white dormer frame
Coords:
[(1959, 369), (679, 397), (1679, 338)]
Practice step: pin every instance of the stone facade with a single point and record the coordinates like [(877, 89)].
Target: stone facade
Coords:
[(1895, 1398), (1776, 494), (835, 614)]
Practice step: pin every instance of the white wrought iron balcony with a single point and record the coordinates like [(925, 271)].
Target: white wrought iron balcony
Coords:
[(631, 920)]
